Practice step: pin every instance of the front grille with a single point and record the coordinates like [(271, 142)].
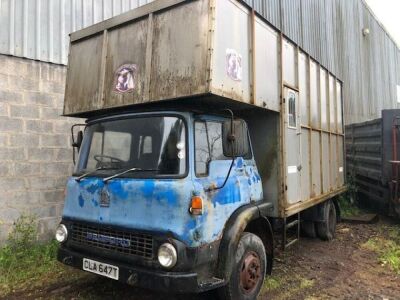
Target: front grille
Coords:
[(113, 240)]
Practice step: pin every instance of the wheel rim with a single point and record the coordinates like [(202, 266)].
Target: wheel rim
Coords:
[(250, 273)]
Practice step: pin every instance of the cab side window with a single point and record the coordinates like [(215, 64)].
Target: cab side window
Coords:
[(208, 145)]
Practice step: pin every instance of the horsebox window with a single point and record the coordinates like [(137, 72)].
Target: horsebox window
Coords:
[(292, 110)]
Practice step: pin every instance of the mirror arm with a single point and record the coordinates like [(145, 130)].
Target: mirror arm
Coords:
[(74, 143), (231, 139)]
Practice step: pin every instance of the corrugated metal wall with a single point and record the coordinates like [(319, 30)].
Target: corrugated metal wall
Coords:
[(39, 29), (329, 30)]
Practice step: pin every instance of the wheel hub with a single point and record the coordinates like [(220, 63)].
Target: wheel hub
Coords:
[(250, 272)]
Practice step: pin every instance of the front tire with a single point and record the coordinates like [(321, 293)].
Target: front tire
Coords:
[(248, 271)]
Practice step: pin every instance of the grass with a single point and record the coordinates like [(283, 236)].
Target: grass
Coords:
[(347, 207), (288, 285), (26, 263), (387, 246)]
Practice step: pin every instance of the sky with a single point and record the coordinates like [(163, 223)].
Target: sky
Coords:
[(387, 11)]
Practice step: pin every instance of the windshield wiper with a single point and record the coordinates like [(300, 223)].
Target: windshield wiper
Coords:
[(91, 172), (127, 171)]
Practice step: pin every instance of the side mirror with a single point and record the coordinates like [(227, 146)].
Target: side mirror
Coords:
[(77, 142), (235, 139)]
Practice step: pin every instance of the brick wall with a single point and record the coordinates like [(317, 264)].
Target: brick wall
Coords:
[(35, 151)]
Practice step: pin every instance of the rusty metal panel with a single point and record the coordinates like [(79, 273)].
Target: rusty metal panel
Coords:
[(120, 45), (179, 52), (147, 58), (82, 92)]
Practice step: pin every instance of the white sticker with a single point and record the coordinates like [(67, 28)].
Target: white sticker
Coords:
[(180, 145), (292, 169), (341, 169), (181, 154), (233, 65)]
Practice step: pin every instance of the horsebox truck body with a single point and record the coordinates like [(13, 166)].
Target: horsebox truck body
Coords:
[(207, 130)]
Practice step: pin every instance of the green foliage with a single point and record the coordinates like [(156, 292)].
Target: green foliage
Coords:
[(23, 259), (272, 283), (387, 245), (347, 206)]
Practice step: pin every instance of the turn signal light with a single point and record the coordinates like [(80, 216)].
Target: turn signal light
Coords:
[(196, 207)]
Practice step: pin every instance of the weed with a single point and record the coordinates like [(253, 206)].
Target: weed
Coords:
[(23, 259), (347, 206), (306, 283), (272, 283), (387, 246)]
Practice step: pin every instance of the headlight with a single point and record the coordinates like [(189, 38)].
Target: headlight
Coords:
[(61, 233), (167, 255)]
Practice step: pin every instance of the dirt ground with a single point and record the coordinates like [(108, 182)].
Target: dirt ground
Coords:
[(313, 269)]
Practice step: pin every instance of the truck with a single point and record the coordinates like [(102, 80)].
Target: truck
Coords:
[(210, 140), (372, 159)]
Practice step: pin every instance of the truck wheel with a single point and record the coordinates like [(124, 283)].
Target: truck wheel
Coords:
[(326, 229), (308, 229), (248, 270)]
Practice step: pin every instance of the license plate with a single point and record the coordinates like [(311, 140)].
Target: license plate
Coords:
[(100, 268)]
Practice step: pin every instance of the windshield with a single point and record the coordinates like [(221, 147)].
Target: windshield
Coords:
[(153, 144)]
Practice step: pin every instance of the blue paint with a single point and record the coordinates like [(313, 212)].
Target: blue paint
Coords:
[(118, 188), (81, 201), (161, 205), (92, 188)]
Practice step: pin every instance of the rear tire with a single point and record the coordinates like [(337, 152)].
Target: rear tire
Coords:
[(248, 272), (326, 230), (308, 229)]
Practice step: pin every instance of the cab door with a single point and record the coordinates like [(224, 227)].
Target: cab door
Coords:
[(293, 146)]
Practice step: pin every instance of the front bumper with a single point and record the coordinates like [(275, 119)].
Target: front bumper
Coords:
[(173, 282)]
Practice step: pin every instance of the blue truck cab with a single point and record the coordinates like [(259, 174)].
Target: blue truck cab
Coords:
[(156, 201)]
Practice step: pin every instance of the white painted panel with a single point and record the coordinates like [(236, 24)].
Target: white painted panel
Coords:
[(339, 107), (316, 164), (334, 162), (305, 164), (323, 98), (231, 59), (303, 88), (341, 162), (332, 104), (289, 63), (325, 163), (314, 99), (266, 61)]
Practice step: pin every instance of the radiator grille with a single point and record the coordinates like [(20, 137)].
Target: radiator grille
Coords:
[(124, 242)]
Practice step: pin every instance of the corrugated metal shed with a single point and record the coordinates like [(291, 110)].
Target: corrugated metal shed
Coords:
[(38, 29), (330, 30)]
